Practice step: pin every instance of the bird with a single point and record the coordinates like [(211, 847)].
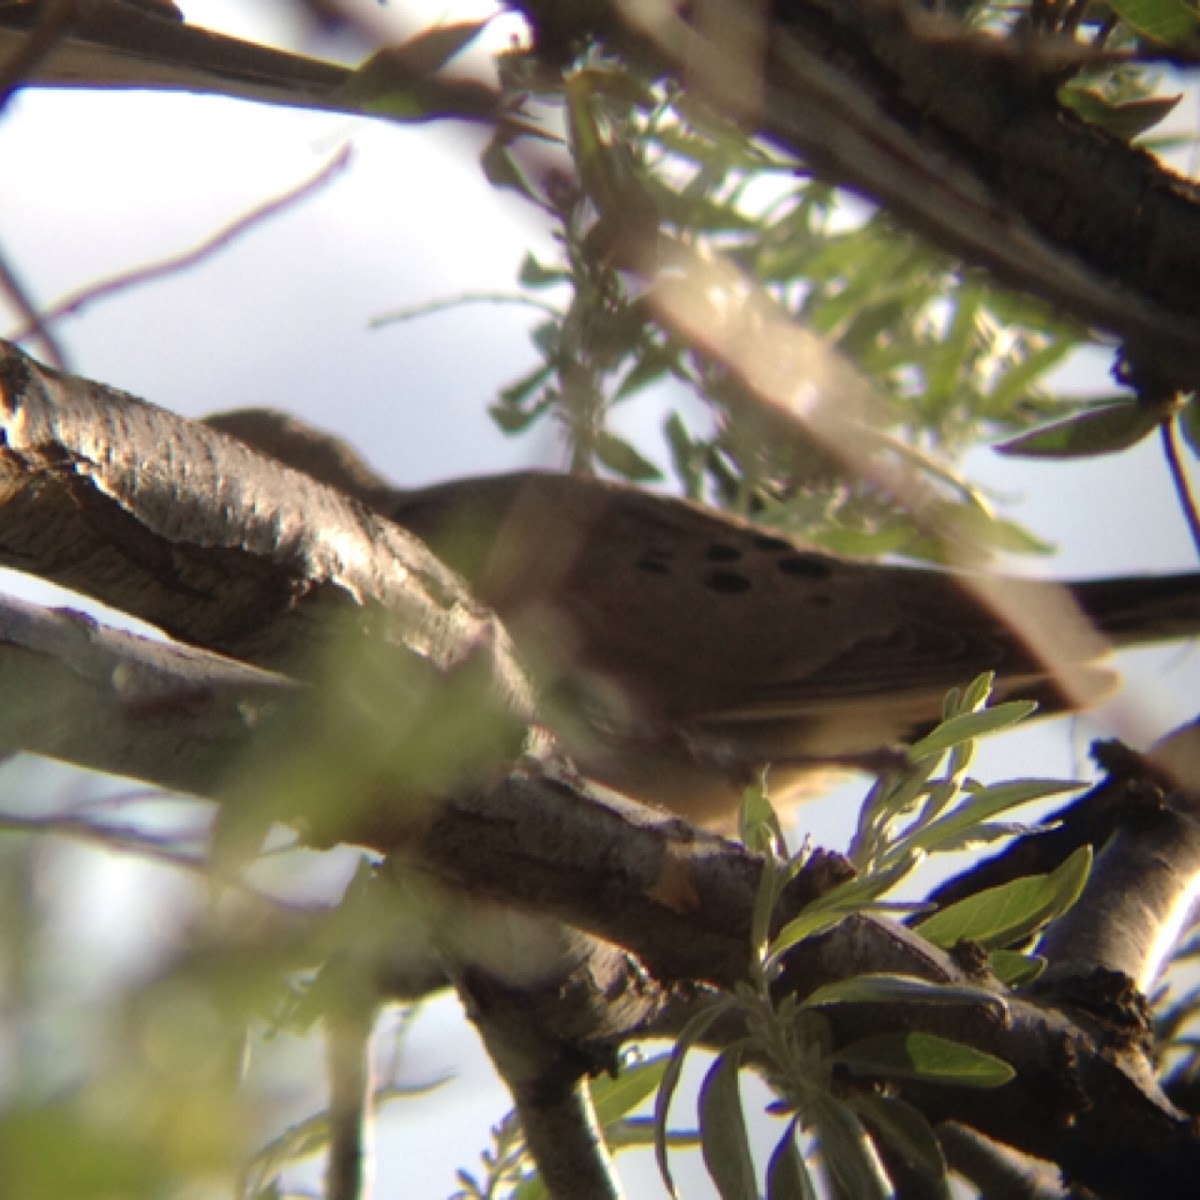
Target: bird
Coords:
[(681, 651)]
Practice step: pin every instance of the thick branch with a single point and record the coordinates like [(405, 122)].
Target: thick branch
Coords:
[(112, 701), (176, 524), (113, 43), (141, 44)]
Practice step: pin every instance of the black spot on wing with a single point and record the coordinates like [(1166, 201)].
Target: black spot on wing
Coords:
[(653, 564), (771, 544), (805, 566), (729, 583)]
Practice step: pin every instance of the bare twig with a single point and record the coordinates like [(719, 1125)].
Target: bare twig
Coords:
[(463, 298), (125, 280), (348, 1054), (25, 306)]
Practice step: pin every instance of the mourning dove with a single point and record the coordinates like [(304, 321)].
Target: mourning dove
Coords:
[(681, 649)]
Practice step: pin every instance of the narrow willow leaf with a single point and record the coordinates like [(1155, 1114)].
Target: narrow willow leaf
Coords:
[(863, 542), (902, 989), (687, 456), (1019, 379), (614, 1098), (689, 1035), (856, 895), (606, 166), (1105, 429), (516, 393), (530, 1188), (639, 1131), (388, 75), (1013, 969), (724, 1141), (946, 360), (431, 49), (1000, 916), (534, 274), (906, 1131), (1125, 119), (971, 725), (923, 1056), (847, 1151), (758, 823), (621, 458), (501, 169), (1172, 22), (1189, 423), (651, 365), (985, 804), (977, 693), (787, 1174)]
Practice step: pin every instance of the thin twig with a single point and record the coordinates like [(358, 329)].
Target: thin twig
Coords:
[(436, 306), (348, 1028), (129, 839), (1187, 502), (76, 301), (24, 305)]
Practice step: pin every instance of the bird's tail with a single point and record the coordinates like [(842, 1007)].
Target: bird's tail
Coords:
[(1142, 608)]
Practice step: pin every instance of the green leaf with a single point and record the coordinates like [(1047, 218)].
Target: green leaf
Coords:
[(923, 1056), (907, 1131), (1104, 429), (1189, 423), (1014, 384), (846, 1149), (635, 1083), (513, 420), (687, 456), (692, 1031), (534, 274), (902, 989), (386, 87), (723, 1138), (988, 833), (428, 51), (856, 895), (1126, 119), (52, 1152), (787, 1174), (759, 828), (864, 543), (502, 170), (1012, 912), (1172, 22), (639, 1131), (620, 457), (547, 337), (605, 165), (969, 725), (984, 804), (651, 365), (946, 360), (1013, 969)]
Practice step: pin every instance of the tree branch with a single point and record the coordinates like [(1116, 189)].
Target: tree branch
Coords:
[(915, 113)]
